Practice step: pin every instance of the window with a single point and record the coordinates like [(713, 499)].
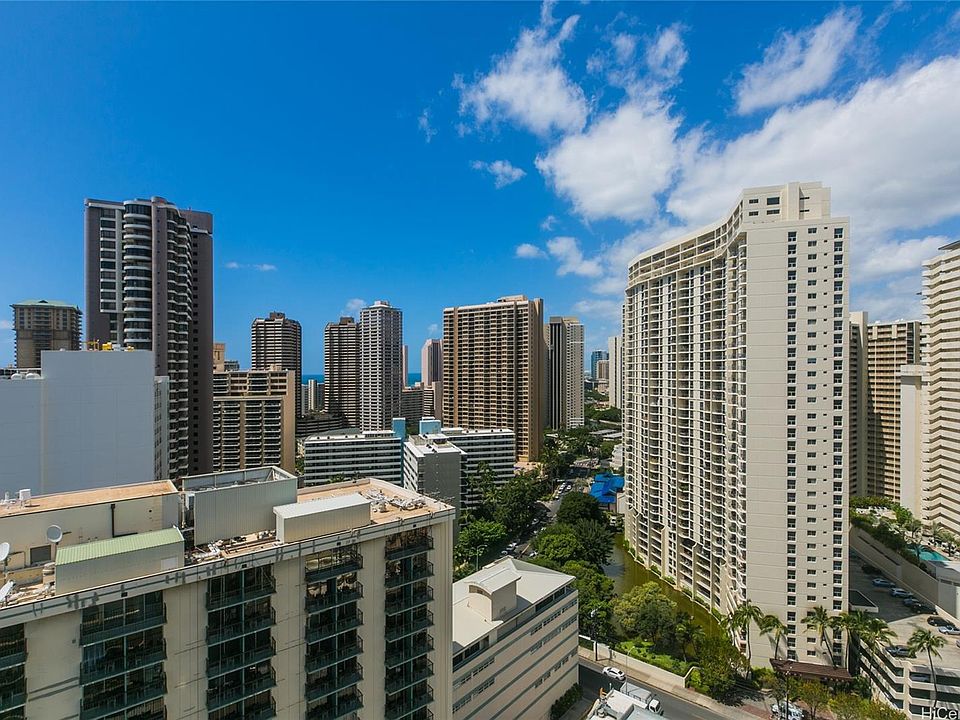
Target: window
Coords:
[(753, 213), (39, 554), (753, 201), (837, 233), (773, 201), (773, 212), (811, 231)]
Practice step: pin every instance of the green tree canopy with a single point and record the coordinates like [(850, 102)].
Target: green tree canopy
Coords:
[(596, 539), (579, 506), (478, 534), (646, 612), (720, 664), (558, 543)]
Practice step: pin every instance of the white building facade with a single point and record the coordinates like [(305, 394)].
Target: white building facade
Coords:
[(345, 455)]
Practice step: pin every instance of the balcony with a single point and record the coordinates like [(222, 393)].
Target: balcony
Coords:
[(409, 601), (332, 657), (341, 709), (406, 654), (261, 711), (397, 710), (406, 576), (9, 701), (416, 546), (13, 653), (319, 632), (317, 690), (237, 629), (101, 629), (223, 696), (422, 670), (409, 627), (93, 670), (235, 596), (319, 603), (106, 704), (241, 659)]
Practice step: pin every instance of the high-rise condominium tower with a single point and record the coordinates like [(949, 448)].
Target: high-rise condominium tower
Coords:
[(431, 361), (275, 341), (565, 372), (595, 357), (381, 339), (941, 407), (615, 389), (493, 358), (44, 325), (149, 285), (735, 418), (877, 352), (341, 369)]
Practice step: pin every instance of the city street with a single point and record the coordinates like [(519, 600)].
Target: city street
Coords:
[(674, 708)]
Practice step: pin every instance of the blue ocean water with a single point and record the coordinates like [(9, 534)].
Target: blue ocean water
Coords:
[(412, 378)]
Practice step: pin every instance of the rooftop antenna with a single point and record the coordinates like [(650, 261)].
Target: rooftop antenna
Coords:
[(54, 536)]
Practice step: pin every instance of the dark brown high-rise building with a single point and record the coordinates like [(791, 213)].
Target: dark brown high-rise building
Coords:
[(341, 369), (149, 285), (275, 341), (44, 325)]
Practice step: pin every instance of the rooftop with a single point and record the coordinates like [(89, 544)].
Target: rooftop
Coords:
[(534, 583), (45, 303), (81, 498)]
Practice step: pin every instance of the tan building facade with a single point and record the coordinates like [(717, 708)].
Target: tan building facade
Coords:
[(493, 374), (877, 353), (565, 378), (43, 325), (317, 603), (254, 419), (735, 345), (275, 341)]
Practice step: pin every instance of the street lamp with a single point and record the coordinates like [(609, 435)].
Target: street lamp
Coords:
[(593, 623), (477, 552)]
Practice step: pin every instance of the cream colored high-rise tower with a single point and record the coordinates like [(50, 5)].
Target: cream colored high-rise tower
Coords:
[(735, 420), (565, 384), (877, 352), (493, 358)]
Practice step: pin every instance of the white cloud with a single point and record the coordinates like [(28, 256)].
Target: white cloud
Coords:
[(797, 64), (433, 329), (624, 47), (549, 222), (232, 265), (259, 267), (618, 165), (566, 250), (528, 251), (6, 325), (353, 306), (888, 151), (666, 54), (892, 257), (264, 267), (503, 171), (593, 307), (528, 84), (423, 122)]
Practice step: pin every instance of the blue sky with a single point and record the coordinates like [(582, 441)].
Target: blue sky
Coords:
[(436, 154)]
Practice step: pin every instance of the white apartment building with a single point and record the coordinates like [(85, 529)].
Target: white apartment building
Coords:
[(254, 419), (493, 448), (432, 465), (238, 597), (85, 419), (493, 374), (878, 351), (615, 385), (515, 638), (565, 378), (735, 345), (381, 362), (344, 455), (941, 358)]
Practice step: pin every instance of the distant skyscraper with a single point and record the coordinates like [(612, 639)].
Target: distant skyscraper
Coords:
[(275, 341), (219, 356), (877, 353), (44, 325), (404, 366), (615, 388), (381, 336), (311, 397), (565, 393), (341, 370), (595, 357), (493, 374), (431, 361), (735, 420), (149, 284)]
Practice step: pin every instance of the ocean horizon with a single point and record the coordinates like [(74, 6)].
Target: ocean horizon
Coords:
[(412, 378)]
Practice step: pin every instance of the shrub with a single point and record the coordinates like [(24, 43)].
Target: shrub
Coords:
[(566, 701)]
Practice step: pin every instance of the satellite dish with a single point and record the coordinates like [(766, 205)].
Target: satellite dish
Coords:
[(4, 551), (54, 534)]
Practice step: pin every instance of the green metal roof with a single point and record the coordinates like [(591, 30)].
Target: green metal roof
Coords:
[(117, 546), (48, 303)]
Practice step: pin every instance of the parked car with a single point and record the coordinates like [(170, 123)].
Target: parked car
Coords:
[(949, 629), (901, 593), (881, 582), (937, 621), (917, 606), (901, 651), (512, 546), (615, 673)]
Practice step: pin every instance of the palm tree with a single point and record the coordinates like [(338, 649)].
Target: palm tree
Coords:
[(854, 624), (877, 633), (925, 641), (740, 619), (818, 619), (772, 625)]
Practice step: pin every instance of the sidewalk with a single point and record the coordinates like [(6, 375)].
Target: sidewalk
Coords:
[(667, 682)]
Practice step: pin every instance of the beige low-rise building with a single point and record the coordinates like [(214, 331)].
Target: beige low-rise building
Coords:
[(515, 639), (238, 596)]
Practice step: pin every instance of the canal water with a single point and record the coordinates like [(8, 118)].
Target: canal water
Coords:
[(627, 573)]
